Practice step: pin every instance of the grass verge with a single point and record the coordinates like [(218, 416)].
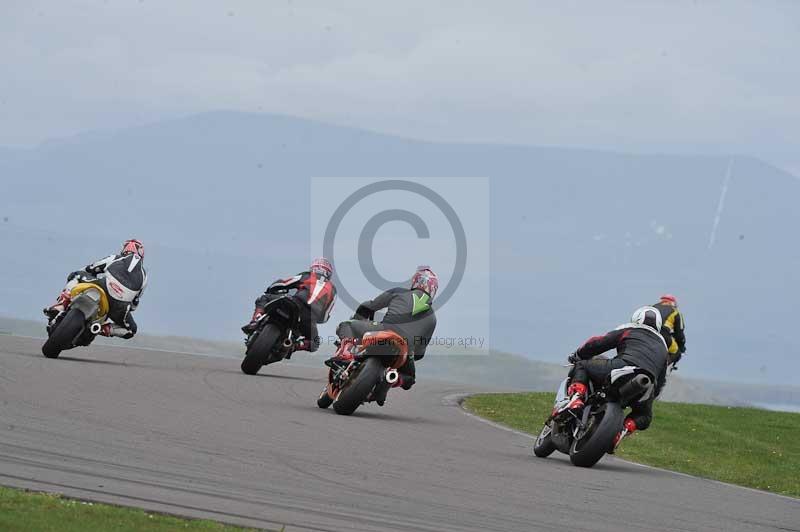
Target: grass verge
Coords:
[(23, 511), (746, 446)]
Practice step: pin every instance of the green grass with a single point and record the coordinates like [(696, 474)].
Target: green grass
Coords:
[(746, 446), (22, 511)]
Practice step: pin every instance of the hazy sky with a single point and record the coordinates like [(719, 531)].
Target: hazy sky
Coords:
[(657, 76)]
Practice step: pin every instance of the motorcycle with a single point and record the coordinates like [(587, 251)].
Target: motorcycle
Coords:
[(275, 333), (588, 435), (85, 311), (358, 369)]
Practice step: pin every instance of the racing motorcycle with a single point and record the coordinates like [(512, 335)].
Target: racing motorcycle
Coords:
[(588, 435), (358, 369), (85, 311), (275, 334)]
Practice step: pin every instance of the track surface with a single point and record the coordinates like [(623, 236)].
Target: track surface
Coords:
[(192, 435)]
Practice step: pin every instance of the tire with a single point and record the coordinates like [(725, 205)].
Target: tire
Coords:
[(324, 400), (544, 445), (258, 353), (359, 388), (65, 333), (588, 450)]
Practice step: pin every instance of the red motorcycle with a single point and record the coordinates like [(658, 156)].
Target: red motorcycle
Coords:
[(359, 367)]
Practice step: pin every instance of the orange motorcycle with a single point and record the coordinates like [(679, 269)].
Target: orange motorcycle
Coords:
[(359, 367)]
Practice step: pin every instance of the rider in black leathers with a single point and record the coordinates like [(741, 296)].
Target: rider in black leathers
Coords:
[(638, 344), (409, 313)]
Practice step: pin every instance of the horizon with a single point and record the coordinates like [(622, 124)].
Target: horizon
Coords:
[(105, 131)]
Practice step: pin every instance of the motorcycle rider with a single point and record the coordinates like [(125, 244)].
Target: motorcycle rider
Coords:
[(638, 343), (123, 278), (673, 327), (409, 313), (315, 293)]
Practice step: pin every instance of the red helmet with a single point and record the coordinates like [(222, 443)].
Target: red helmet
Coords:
[(669, 298), (322, 266), (427, 281), (133, 246)]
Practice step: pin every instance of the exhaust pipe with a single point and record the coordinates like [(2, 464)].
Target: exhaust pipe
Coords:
[(636, 386), (288, 343), (392, 376), (95, 328)]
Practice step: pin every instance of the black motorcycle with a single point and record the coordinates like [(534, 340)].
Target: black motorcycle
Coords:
[(587, 436), (274, 336)]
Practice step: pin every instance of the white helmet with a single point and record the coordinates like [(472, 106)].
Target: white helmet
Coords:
[(649, 316)]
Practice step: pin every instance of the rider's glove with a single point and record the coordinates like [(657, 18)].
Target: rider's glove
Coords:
[(573, 357)]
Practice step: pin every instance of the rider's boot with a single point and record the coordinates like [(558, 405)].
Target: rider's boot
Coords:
[(251, 327), (116, 331), (302, 344), (577, 393), (381, 389), (404, 381), (628, 428)]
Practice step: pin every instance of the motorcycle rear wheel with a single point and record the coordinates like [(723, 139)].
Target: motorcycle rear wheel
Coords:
[(63, 336), (359, 387), (260, 351), (589, 449)]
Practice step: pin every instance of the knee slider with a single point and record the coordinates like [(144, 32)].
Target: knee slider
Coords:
[(642, 421)]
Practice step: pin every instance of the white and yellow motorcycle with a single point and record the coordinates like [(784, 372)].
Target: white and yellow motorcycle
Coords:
[(86, 308)]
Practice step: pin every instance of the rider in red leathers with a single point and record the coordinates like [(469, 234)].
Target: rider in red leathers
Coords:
[(316, 294)]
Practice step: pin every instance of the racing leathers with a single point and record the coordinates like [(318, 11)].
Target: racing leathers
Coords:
[(408, 313), (123, 278), (672, 329), (315, 295), (637, 345)]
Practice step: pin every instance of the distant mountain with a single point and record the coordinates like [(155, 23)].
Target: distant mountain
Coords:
[(579, 237)]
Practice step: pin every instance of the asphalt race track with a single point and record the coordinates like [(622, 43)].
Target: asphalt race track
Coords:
[(192, 435)]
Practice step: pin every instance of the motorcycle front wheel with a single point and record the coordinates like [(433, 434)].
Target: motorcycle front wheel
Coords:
[(544, 445), (324, 400)]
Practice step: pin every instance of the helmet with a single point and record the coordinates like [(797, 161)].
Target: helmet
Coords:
[(669, 298), (133, 246), (649, 316), (424, 279), (322, 266)]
